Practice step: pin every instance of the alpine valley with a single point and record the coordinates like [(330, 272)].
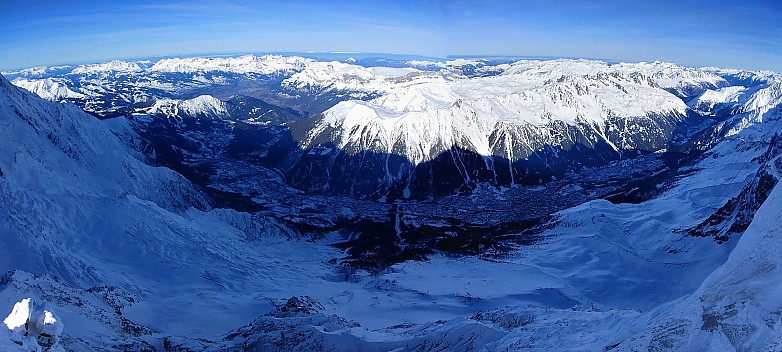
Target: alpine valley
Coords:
[(347, 202)]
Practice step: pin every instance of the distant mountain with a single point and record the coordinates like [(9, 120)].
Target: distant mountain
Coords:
[(48, 89), (118, 87), (237, 108), (114, 66)]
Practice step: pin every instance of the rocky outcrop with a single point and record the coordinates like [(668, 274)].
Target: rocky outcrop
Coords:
[(35, 326), (736, 215)]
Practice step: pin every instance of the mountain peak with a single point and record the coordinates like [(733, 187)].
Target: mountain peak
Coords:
[(48, 89), (111, 66), (202, 106)]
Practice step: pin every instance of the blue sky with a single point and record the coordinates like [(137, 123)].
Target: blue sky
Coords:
[(740, 34)]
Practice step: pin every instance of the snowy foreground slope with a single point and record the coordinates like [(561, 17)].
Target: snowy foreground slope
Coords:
[(739, 306), (79, 206), (135, 257)]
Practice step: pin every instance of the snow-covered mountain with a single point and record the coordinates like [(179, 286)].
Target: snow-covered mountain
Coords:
[(347, 77), (114, 66), (267, 64), (738, 307), (118, 87), (200, 106), (428, 128), (476, 114), (534, 121), (629, 247), (80, 208), (48, 89), (236, 108)]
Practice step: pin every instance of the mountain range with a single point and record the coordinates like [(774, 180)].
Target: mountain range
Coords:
[(289, 203)]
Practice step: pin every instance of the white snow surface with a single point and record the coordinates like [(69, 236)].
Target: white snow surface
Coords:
[(672, 76), (203, 105), (19, 316), (29, 317), (78, 205), (739, 306), (38, 71), (341, 76), (756, 100), (766, 99), (114, 66), (47, 88), (34, 323), (709, 99), (428, 111), (266, 64)]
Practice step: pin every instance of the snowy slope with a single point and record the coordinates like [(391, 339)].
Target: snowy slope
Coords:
[(78, 205), (621, 266), (683, 81), (470, 113), (738, 307), (710, 99), (603, 276), (58, 155), (534, 93), (204, 106), (765, 100), (528, 122), (512, 127), (132, 256), (48, 89)]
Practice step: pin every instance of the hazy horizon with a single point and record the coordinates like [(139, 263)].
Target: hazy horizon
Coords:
[(329, 55), (689, 33)]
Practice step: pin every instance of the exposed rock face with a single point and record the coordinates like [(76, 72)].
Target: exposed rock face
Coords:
[(736, 215), (297, 306), (738, 307), (532, 122), (525, 126)]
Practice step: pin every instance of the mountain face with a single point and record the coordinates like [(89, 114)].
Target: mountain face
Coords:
[(231, 204), (734, 306), (90, 228), (505, 124), (534, 122), (48, 89)]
